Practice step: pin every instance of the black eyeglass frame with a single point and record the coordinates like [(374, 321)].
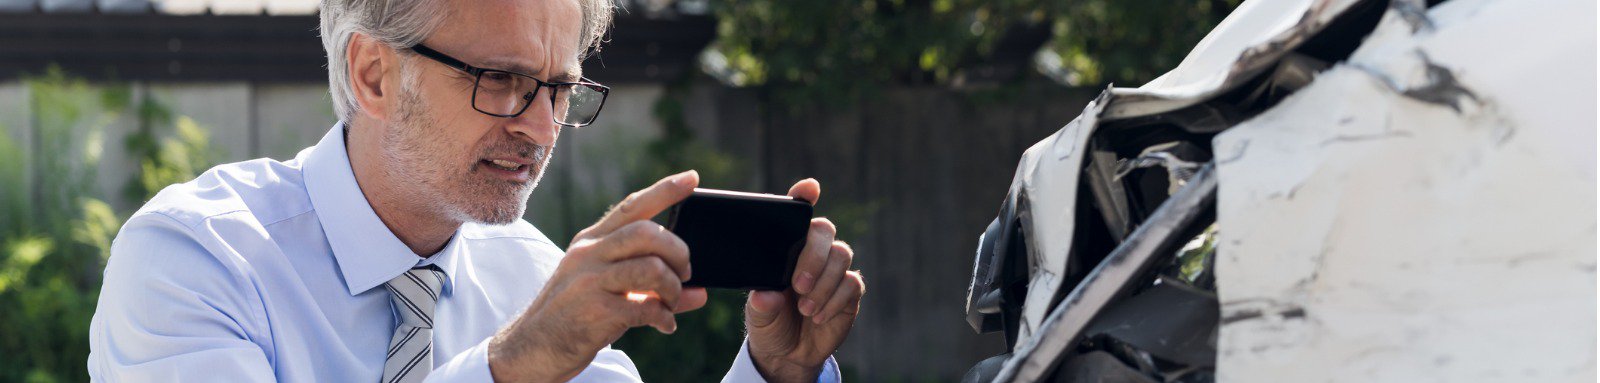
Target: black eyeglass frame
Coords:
[(477, 74)]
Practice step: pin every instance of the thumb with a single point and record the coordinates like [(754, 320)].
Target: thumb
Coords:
[(764, 308)]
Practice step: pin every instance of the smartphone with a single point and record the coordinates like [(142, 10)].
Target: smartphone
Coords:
[(738, 240)]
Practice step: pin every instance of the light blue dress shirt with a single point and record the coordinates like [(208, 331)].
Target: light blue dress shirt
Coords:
[(263, 271)]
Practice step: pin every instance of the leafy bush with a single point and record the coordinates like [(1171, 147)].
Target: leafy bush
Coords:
[(55, 234), (842, 50), (56, 230)]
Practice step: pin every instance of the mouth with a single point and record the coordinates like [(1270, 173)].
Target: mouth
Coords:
[(506, 168)]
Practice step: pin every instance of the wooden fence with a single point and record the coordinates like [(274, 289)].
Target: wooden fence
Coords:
[(923, 171)]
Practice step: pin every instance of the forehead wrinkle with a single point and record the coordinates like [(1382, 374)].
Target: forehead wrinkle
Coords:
[(511, 64), (532, 43), (561, 51)]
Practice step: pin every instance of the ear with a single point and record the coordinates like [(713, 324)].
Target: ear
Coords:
[(370, 65)]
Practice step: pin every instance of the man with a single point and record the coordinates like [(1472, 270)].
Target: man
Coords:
[(393, 249)]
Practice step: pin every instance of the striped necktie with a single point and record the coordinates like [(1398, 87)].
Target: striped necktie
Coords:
[(413, 294)]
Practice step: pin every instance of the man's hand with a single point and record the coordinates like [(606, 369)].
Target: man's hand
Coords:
[(586, 305), (793, 332)]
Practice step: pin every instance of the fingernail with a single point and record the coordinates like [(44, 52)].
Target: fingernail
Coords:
[(752, 302), (806, 282), (683, 179), (817, 319), (806, 306)]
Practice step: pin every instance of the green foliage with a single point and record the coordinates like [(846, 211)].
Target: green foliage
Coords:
[(842, 50), (167, 161), (175, 160), (56, 229), (53, 246), (1130, 41), (15, 190)]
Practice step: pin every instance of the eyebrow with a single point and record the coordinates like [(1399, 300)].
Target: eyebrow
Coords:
[(517, 66), (508, 64)]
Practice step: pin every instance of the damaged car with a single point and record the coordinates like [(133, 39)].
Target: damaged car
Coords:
[(1322, 190)]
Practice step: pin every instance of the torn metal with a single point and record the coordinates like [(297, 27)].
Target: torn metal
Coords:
[(1113, 278)]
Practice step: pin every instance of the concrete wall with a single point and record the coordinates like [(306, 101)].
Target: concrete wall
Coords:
[(243, 121)]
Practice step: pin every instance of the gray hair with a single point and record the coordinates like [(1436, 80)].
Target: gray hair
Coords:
[(403, 23)]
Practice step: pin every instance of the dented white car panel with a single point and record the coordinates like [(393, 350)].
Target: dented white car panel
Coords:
[(1066, 145), (1417, 211), (1251, 39), (1425, 209)]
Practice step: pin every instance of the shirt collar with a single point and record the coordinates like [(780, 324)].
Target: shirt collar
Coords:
[(368, 254)]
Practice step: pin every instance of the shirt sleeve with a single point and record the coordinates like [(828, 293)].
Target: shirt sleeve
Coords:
[(469, 366), (171, 311), (744, 369), (609, 365)]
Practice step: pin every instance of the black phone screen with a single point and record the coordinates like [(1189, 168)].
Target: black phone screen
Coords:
[(741, 240)]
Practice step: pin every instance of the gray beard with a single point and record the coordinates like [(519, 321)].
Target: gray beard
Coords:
[(439, 187)]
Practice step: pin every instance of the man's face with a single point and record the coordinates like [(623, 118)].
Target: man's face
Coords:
[(457, 156)]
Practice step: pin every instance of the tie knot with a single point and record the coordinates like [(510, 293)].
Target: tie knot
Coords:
[(414, 294)]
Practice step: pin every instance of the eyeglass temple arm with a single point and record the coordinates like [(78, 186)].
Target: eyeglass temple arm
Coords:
[(442, 58)]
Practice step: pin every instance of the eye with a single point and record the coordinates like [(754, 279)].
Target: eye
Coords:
[(497, 81), (497, 76)]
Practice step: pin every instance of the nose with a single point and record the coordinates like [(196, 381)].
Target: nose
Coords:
[(537, 123)]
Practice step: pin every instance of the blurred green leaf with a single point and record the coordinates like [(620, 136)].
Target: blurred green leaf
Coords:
[(56, 229), (21, 255)]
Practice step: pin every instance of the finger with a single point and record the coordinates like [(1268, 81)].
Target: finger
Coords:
[(641, 297), (665, 321), (764, 307), (839, 258), (646, 314), (643, 204), (642, 239), (642, 275), (814, 257), (846, 300), (692, 298), (807, 189)]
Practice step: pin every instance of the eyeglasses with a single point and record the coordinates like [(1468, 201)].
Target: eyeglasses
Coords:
[(502, 93)]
